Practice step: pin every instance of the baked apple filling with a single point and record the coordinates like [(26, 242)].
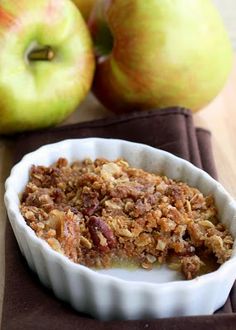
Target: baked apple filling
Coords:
[(104, 214)]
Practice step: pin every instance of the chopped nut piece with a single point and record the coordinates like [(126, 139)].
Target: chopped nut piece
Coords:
[(143, 240), (188, 206), (191, 266), (151, 258), (113, 205), (53, 242), (124, 232), (161, 245), (147, 265), (85, 242), (109, 170), (206, 224), (102, 239), (101, 234), (29, 215), (52, 233)]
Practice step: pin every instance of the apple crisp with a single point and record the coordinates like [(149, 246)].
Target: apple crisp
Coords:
[(106, 213)]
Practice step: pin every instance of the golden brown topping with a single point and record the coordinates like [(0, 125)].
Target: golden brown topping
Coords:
[(97, 212)]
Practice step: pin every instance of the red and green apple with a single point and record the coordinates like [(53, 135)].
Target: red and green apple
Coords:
[(46, 63), (158, 53), (85, 7)]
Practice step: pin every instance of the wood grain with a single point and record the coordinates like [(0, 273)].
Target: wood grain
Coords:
[(220, 118)]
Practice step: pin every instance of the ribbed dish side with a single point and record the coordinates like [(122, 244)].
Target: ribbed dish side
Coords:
[(109, 298)]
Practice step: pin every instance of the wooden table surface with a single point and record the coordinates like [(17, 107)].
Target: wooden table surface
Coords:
[(220, 118)]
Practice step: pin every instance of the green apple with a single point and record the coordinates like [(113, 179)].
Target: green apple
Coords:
[(85, 7), (159, 53), (46, 63)]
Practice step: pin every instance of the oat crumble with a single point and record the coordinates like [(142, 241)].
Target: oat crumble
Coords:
[(103, 213)]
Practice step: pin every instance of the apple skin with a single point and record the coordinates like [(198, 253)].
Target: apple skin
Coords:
[(163, 53), (38, 94), (85, 7)]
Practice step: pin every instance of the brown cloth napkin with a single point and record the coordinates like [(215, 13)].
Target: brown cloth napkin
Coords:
[(27, 304)]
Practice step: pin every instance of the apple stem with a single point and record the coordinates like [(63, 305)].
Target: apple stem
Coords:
[(43, 54)]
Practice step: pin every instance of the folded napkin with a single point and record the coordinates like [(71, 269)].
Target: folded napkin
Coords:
[(27, 304)]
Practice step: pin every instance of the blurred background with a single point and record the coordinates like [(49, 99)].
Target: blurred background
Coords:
[(228, 12)]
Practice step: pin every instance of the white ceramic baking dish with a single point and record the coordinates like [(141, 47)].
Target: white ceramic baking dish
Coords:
[(122, 293)]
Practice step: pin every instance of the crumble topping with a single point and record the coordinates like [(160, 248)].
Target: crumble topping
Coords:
[(104, 213)]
